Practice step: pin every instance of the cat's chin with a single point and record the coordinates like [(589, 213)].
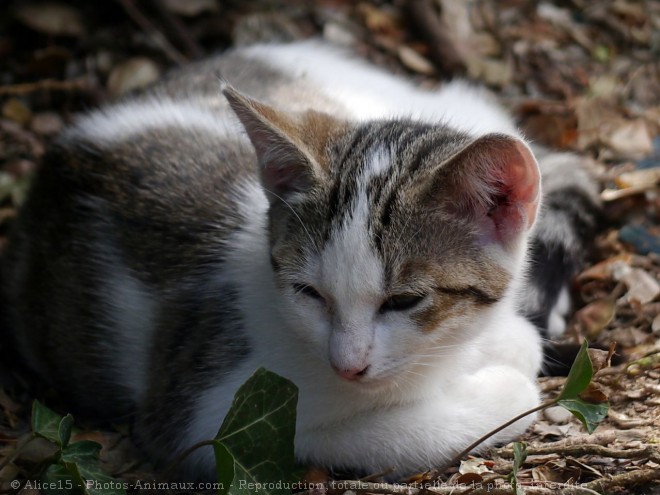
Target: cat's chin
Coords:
[(378, 384)]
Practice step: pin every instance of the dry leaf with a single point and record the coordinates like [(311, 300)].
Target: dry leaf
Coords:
[(600, 124), (547, 472), (14, 109), (474, 465), (469, 479), (630, 139), (191, 8), (55, 19), (603, 270), (593, 394), (595, 316), (132, 74), (46, 123), (601, 359), (414, 61), (642, 287)]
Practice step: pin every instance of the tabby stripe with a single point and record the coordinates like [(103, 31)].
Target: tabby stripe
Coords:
[(421, 154), (479, 296)]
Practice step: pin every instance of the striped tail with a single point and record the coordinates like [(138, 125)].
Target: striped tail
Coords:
[(568, 221)]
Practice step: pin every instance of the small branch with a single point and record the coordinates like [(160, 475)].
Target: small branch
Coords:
[(156, 36), (175, 463), (371, 487), (339, 487), (179, 29), (589, 449), (80, 83), (485, 437), (632, 478), (442, 51), (17, 451)]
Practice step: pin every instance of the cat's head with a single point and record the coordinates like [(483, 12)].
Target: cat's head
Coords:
[(390, 240)]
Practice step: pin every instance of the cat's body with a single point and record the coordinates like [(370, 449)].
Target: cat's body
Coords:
[(146, 276)]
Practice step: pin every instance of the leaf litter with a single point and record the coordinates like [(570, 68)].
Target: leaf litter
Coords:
[(580, 76)]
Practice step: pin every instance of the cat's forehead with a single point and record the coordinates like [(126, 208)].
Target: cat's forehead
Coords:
[(376, 174)]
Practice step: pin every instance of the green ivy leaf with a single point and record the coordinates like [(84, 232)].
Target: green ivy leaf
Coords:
[(519, 456), (258, 433), (82, 452), (82, 460), (64, 430), (224, 462), (589, 414), (56, 480), (46, 422), (579, 376), (99, 483), (577, 382)]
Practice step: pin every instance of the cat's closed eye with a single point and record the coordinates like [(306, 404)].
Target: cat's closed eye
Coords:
[(401, 302), (308, 291)]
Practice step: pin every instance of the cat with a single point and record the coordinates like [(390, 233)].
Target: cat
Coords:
[(294, 208)]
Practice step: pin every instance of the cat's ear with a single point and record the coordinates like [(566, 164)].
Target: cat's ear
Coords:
[(290, 147), (496, 180)]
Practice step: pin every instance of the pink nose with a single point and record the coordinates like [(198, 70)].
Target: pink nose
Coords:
[(351, 374)]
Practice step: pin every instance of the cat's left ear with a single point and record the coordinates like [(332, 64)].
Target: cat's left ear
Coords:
[(290, 147), (496, 181)]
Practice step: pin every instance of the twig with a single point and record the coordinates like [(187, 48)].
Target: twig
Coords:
[(442, 51), (452, 489), (632, 478), (371, 487), (17, 451), (483, 438), (179, 29), (175, 463), (589, 449), (80, 83), (157, 37)]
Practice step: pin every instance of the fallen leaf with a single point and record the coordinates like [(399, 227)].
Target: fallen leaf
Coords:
[(15, 110), (629, 139), (595, 316), (601, 359), (132, 74), (642, 287), (602, 124), (414, 61), (593, 394), (603, 270), (55, 19), (191, 8), (46, 123), (474, 465), (468, 479)]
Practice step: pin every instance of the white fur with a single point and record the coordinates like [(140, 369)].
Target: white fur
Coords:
[(557, 318), (130, 310), (427, 395), (120, 122), (370, 93)]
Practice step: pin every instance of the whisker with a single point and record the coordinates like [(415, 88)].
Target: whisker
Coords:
[(294, 212)]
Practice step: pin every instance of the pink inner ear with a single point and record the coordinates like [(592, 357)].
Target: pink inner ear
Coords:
[(286, 176), (516, 188)]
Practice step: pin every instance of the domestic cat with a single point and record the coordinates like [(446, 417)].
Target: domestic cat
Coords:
[(313, 215)]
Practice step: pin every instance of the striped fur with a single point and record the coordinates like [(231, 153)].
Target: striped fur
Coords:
[(362, 237)]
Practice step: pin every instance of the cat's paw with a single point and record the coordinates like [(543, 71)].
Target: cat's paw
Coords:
[(500, 394)]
